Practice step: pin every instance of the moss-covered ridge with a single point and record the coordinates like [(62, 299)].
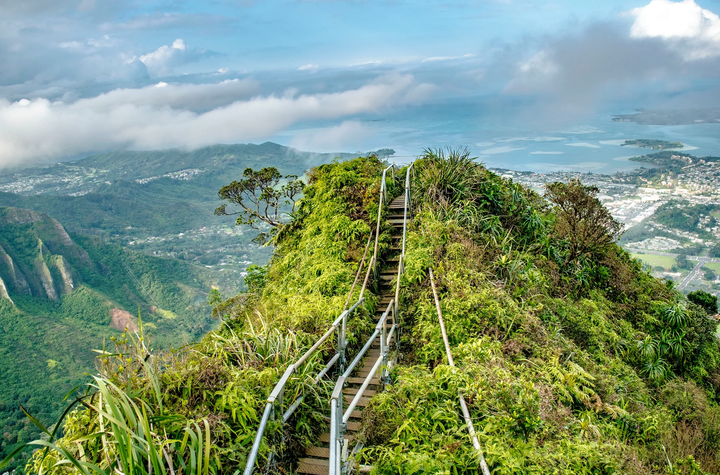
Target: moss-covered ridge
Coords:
[(580, 365), (225, 379), (572, 359)]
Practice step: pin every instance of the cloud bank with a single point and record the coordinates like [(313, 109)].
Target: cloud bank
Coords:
[(669, 53), (151, 118), (695, 30)]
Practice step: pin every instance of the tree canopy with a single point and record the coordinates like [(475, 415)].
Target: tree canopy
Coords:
[(260, 199), (581, 218)]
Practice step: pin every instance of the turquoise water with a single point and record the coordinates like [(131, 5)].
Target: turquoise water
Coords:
[(503, 134)]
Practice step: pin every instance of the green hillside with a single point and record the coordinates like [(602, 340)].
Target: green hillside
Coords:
[(61, 295), (145, 200), (572, 358)]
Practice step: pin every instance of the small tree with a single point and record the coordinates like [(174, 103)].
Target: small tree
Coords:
[(707, 301), (260, 199), (682, 261), (581, 218)]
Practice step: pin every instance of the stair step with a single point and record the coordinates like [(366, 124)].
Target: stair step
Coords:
[(353, 426), (309, 466), (325, 437), (356, 414), (361, 403), (318, 452), (354, 391), (373, 381)]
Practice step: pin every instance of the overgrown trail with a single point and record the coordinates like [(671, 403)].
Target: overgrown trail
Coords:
[(317, 456)]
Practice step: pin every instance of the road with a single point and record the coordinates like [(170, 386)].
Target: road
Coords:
[(693, 273)]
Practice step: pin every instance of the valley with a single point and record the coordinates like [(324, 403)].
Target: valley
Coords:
[(88, 246)]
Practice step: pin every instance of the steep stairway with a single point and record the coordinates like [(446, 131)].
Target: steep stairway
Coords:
[(317, 456)]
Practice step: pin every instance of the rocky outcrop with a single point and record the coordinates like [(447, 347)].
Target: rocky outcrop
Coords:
[(43, 272), (13, 276), (48, 229), (67, 284), (4, 293)]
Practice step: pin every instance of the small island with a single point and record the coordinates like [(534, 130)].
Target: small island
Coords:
[(653, 144), (673, 159), (672, 117)]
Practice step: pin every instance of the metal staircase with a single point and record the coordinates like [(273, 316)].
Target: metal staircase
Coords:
[(368, 373), (333, 452), (359, 380)]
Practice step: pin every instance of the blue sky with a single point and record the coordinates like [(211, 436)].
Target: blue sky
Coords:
[(81, 76)]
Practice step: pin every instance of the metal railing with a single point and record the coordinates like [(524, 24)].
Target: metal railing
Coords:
[(463, 404), (275, 400), (338, 450)]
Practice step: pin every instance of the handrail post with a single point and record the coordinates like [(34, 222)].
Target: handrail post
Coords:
[(337, 428), (342, 341), (333, 437), (384, 350), (340, 350), (340, 432)]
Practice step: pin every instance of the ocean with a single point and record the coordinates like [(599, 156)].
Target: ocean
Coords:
[(502, 134)]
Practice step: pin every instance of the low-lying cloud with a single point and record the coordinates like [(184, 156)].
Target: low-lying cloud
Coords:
[(147, 119), (572, 74), (349, 133)]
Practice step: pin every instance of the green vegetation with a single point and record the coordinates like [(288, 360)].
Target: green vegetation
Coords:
[(261, 199), (672, 159), (653, 144), (63, 290), (715, 266), (680, 215), (573, 359), (708, 302), (149, 198), (643, 231), (665, 262), (224, 379)]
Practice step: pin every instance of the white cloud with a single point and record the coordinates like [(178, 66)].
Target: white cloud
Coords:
[(165, 59), (496, 150), (695, 29), (446, 58), (192, 97), (534, 74), (142, 119), (308, 67), (346, 136), (583, 144)]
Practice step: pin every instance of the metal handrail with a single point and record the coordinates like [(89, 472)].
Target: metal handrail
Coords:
[(338, 417), (383, 199), (276, 396), (339, 325), (463, 404)]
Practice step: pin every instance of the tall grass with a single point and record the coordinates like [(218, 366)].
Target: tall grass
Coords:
[(128, 431)]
